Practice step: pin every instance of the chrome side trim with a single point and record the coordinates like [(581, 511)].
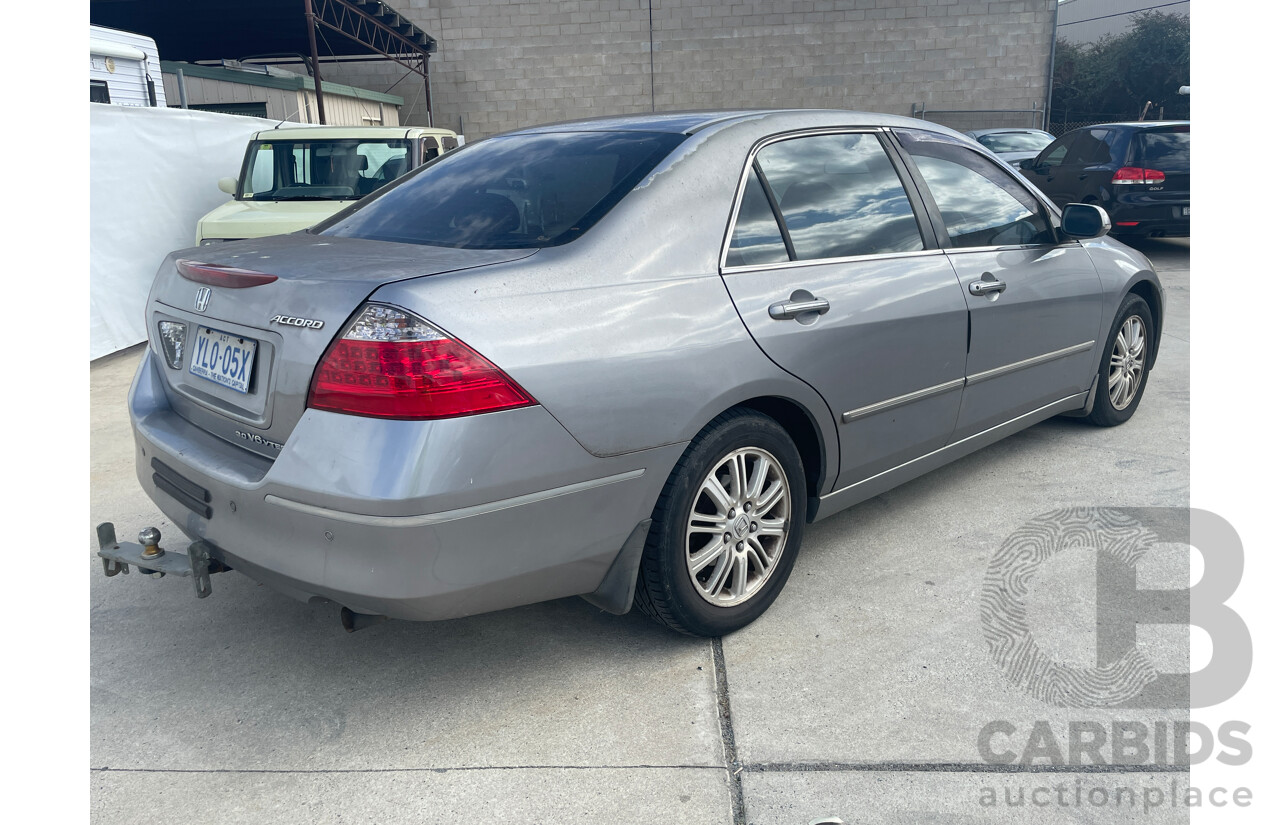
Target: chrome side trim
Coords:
[(956, 446), (965, 250), (450, 515), (1029, 362), (881, 256), (918, 395)]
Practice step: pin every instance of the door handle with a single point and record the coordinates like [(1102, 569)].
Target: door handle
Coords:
[(986, 287), (785, 310)]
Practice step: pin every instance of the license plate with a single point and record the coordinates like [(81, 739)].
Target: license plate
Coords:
[(223, 358), (1186, 211)]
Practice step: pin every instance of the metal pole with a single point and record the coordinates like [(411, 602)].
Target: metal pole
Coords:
[(426, 80), (1053, 56), (315, 58)]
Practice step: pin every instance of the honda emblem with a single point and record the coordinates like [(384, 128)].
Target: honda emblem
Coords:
[(202, 298)]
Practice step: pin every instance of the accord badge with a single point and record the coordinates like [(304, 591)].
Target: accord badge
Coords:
[(290, 321)]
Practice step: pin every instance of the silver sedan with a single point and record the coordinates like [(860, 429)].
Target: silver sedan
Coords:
[(628, 359), (1013, 145)]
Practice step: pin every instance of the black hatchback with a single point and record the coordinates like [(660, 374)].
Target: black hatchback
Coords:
[(1139, 172)]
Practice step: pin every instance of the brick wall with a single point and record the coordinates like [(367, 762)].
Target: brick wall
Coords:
[(502, 65)]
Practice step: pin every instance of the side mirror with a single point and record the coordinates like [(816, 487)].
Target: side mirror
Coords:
[(227, 185), (1084, 221), (1027, 164)]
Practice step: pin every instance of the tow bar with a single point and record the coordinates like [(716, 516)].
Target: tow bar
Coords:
[(152, 560)]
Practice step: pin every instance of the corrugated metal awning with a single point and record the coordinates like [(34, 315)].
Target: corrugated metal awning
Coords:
[(194, 30)]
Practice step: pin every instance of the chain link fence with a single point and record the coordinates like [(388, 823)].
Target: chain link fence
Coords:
[(1062, 122), (965, 120)]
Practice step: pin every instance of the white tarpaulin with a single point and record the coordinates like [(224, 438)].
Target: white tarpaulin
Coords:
[(152, 174)]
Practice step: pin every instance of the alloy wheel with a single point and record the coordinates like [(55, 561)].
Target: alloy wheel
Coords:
[(1128, 360), (737, 528)]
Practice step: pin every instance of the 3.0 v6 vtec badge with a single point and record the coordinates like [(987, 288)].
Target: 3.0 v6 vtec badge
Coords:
[(291, 321)]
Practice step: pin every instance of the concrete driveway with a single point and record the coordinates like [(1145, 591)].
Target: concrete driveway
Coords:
[(861, 694)]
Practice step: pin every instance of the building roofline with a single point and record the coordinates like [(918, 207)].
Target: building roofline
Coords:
[(273, 81)]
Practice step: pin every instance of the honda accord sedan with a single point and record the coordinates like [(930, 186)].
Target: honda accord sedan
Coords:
[(628, 359)]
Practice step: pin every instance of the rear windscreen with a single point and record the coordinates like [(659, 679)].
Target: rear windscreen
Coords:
[(1167, 151), (514, 192), (1016, 141)]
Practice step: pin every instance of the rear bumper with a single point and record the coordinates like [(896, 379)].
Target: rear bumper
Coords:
[(412, 520), (1151, 228), (1146, 217)]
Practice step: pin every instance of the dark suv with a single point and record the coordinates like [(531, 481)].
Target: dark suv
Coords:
[(1139, 172)]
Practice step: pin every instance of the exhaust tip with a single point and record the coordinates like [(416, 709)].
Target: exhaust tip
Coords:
[(352, 621)]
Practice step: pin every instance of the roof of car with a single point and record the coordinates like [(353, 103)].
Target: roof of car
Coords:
[(690, 122), (1140, 124), (348, 132), (1012, 129)]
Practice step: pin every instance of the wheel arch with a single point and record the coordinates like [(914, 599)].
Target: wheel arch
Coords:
[(1149, 292), (803, 429)]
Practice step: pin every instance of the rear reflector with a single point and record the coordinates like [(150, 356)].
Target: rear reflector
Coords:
[(1133, 174), (1126, 223), (392, 364), (226, 276)]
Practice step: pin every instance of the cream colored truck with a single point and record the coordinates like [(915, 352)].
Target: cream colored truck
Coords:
[(294, 178)]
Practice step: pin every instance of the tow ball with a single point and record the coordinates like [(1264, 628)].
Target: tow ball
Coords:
[(153, 560)]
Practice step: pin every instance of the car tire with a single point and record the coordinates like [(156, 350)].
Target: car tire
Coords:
[(1123, 370), (740, 483)]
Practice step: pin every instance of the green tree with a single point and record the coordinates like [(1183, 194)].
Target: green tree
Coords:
[(1118, 74)]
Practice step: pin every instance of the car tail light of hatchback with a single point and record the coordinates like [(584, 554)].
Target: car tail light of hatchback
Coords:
[(1134, 174), (389, 363)]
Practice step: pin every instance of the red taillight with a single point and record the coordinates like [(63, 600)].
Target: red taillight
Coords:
[(227, 276), (1134, 174), (391, 364)]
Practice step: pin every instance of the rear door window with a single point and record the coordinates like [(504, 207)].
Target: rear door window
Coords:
[(839, 196), (756, 236)]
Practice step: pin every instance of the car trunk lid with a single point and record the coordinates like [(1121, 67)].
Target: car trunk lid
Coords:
[(1167, 150), (250, 350)]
